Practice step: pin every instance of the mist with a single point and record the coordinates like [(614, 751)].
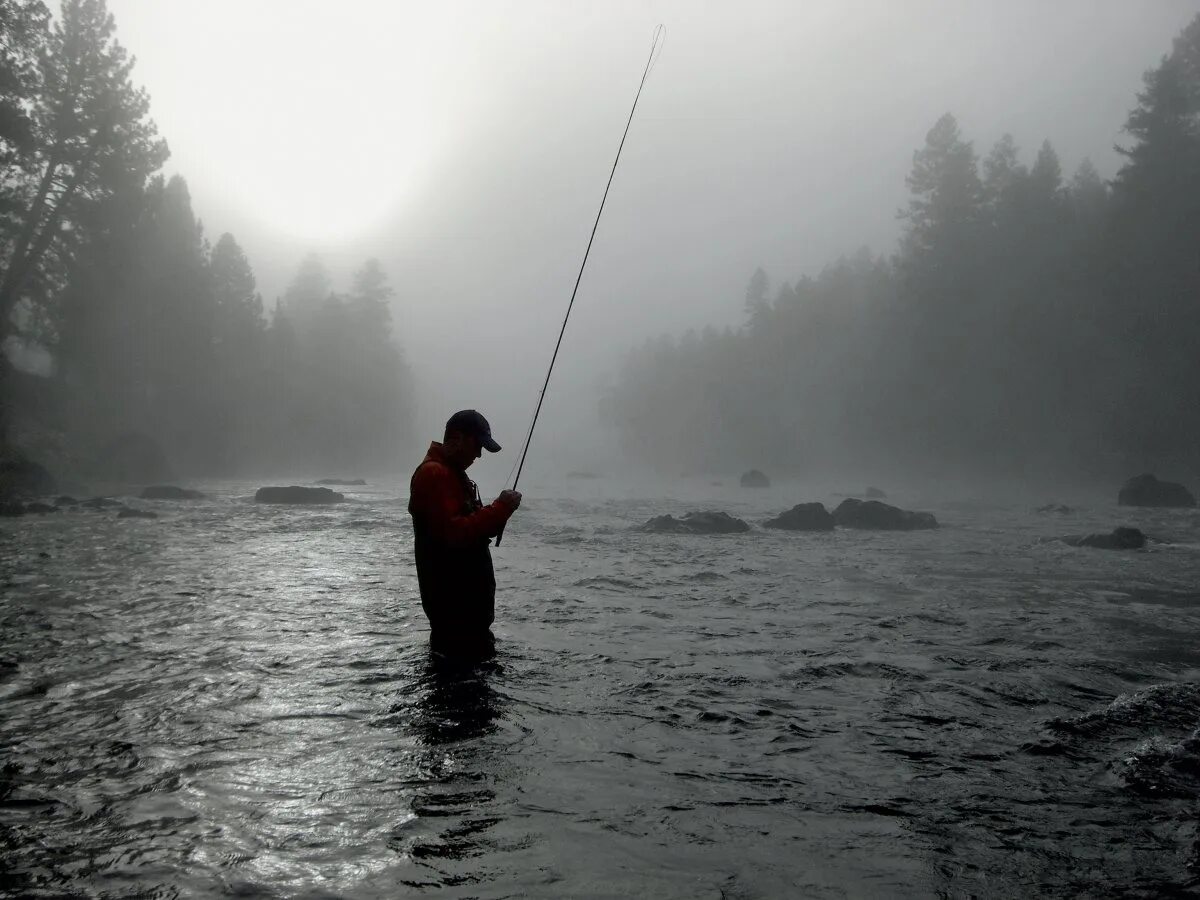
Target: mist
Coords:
[(466, 148), (856, 551)]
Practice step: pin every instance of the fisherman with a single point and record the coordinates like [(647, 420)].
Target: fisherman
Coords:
[(452, 531)]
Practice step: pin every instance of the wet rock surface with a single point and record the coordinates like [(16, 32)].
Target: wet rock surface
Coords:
[(1060, 509), (754, 479), (1146, 490), (706, 522), (803, 517), (101, 503), (1121, 538), (871, 514)]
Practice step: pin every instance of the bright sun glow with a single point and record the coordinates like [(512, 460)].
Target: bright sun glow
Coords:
[(319, 123)]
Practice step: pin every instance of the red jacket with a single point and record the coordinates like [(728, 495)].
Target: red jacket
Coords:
[(451, 535)]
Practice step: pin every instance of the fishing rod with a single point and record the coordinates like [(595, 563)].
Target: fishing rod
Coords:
[(654, 47)]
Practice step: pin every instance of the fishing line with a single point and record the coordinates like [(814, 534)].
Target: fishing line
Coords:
[(655, 48)]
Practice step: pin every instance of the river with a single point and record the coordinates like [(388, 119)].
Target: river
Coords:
[(239, 700)]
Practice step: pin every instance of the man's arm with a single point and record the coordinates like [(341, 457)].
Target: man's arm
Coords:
[(436, 499)]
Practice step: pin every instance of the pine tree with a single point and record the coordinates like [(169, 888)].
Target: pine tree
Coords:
[(308, 291), (90, 130), (25, 27), (369, 297), (1003, 175), (239, 325), (944, 210)]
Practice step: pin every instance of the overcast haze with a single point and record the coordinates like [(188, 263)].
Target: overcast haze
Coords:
[(467, 145)]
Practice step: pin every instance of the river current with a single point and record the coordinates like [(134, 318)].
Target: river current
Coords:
[(239, 700)]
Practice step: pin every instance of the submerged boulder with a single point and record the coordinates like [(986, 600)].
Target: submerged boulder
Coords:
[(294, 494), (874, 493), (707, 522), (755, 479), (344, 482), (102, 503), (1146, 490), (1121, 538), (11, 508), (803, 517), (40, 508), (1057, 508), (129, 513), (872, 514), (170, 492)]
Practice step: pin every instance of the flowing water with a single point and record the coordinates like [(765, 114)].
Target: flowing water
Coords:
[(236, 699)]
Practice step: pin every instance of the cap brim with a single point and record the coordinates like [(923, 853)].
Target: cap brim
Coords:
[(490, 445)]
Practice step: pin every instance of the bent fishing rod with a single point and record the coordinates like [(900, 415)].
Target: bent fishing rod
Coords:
[(654, 47)]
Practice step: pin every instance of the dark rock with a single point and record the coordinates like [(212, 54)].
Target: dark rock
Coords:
[(803, 517), (133, 457), (41, 508), (344, 482), (170, 492), (874, 493), (102, 503), (755, 479), (1146, 490), (1058, 508), (11, 508), (1121, 538), (708, 522), (66, 501), (128, 513), (21, 477), (872, 514), (294, 494)]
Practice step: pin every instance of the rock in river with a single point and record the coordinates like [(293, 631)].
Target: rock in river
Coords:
[(1146, 490), (872, 514), (101, 503), (294, 494), (1121, 538), (708, 522), (803, 517), (755, 479)]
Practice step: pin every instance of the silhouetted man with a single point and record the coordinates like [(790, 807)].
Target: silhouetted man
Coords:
[(452, 535)]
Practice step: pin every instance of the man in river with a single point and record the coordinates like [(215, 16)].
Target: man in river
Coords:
[(452, 531)]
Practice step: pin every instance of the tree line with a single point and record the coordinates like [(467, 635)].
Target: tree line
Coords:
[(153, 330), (1027, 321)]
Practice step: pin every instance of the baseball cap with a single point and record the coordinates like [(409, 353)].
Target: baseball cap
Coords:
[(468, 421)]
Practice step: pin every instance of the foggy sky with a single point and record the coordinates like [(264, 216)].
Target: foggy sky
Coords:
[(467, 146)]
